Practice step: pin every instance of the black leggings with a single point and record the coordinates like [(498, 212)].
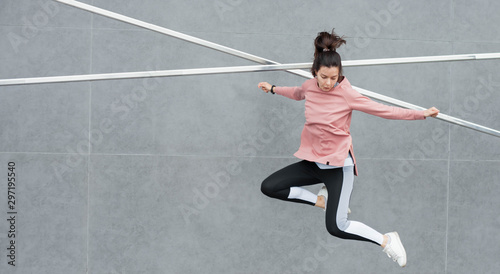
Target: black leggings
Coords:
[(338, 181)]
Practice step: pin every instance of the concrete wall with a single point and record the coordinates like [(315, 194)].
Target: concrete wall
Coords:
[(163, 175)]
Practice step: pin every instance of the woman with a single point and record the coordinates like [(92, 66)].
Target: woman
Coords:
[(326, 146)]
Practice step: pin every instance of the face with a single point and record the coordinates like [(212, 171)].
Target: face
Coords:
[(327, 77)]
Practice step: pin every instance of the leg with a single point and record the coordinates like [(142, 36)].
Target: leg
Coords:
[(340, 186), (339, 182), (285, 183)]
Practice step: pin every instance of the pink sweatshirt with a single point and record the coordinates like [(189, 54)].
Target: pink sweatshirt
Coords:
[(326, 137)]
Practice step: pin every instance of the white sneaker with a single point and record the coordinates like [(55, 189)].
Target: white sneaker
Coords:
[(395, 250), (323, 192)]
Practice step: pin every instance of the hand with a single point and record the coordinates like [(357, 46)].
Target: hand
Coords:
[(265, 86), (432, 112)]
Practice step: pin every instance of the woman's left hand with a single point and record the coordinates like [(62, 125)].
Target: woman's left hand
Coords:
[(265, 86), (432, 112)]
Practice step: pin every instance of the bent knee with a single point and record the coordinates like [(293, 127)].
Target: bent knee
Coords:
[(335, 231), (338, 229), (267, 188)]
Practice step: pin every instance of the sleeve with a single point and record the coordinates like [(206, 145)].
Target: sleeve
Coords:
[(295, 93), (356, 101)]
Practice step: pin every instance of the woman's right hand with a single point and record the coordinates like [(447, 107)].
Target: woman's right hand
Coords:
[(432, 112), (265, 86)]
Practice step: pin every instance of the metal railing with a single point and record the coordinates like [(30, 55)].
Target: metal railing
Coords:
[(239, 69), (268, 66)]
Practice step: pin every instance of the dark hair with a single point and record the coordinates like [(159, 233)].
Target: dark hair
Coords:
[(325, 53)]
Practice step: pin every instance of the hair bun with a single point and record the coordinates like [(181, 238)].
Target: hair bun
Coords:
[(326, 42)]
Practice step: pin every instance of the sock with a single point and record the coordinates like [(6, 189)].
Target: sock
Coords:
[(388, 240)]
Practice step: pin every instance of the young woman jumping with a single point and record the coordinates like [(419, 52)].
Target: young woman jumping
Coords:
[(326, 146)]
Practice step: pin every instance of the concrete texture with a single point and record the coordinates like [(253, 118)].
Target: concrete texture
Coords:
[(163, 175)]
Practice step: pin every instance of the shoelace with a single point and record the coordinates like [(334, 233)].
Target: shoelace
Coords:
[(391, 254)]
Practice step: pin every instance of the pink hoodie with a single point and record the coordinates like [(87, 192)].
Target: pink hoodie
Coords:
[(326, 137)]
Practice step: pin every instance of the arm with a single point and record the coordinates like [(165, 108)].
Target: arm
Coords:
[(356, 101), (294, 93)]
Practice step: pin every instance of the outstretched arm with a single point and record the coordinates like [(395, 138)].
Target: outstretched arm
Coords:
[(294, 93), (356, 101)]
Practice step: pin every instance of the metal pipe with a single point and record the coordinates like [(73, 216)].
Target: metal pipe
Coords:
[(188, 72), (422, 59), (441, 116), (237, 69), (257, 59), (261, 60), (145, 74), (166, 31)]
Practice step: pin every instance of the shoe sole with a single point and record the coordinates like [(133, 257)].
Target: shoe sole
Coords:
[(398, 241)]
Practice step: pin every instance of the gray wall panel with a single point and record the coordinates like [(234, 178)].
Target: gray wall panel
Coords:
[(236, 122), (408, 196), (122, 116), (46, 52), (473, 21), (475, 87), (50, 231), (473, 217), (45, 118), (40, 14)]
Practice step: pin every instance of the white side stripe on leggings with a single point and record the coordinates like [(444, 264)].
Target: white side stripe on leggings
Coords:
[(353, 227), (302, 194)]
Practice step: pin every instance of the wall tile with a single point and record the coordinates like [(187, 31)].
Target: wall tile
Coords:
[(48, 52), (474, 88), (472, 217), (45, 118), (51, 219), (44, 13), (473, 21)]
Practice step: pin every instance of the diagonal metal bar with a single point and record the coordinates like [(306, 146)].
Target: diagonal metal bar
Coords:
[(166, 31), (441, 116), (261, 60)]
